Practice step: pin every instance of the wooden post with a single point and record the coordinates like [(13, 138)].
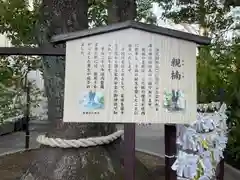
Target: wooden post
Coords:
[(170, 151), (129, 149), (220, 171), (27, 114)]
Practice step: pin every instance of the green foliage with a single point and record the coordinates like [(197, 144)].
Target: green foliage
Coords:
[(233, 3), (7, 93), (212, 16), (233, 148), (144, 12), (218, 68), (218, 65), (18, 22), (13, 73), (97, 13)]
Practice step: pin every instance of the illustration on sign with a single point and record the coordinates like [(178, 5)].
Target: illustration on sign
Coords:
[(92, 101), (174, 100)]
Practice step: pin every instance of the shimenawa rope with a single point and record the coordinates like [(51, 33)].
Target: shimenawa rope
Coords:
[(78, 143)]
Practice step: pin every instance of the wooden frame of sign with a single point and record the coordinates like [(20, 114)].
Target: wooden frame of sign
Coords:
[(130, 73)]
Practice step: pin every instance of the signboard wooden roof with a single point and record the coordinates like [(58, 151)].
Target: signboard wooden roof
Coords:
[(201, 40), (130, 72)]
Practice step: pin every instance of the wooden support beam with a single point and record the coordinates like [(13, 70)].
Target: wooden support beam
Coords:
[(129, 148), (220, 167), (32, 51), (170, 151)]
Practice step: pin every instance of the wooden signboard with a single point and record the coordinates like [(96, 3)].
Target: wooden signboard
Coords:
[(130, 73)]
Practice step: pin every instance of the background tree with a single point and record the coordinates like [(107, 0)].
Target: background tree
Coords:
[(218, 65), (14, 69), (13, 77), (210, 16), (53, 17), (214, 61), (233, 3)]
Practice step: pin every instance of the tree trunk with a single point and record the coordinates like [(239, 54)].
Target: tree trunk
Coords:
[(121, 10), (101, 162)]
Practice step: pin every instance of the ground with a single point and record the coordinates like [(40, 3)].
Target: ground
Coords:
[(12, 166), (149, 138)]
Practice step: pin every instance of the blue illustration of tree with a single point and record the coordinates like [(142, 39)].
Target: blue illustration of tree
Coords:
[(175, 97), (91, 97)]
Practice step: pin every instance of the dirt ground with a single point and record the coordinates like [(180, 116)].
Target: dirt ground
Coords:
[(12, 166)]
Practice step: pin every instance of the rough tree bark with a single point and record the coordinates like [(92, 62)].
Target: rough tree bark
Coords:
[(102, 162)]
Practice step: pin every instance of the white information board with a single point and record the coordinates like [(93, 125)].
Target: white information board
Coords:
[(130, 76)]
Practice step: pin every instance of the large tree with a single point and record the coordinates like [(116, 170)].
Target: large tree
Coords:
[(101, 162), (26, 26)]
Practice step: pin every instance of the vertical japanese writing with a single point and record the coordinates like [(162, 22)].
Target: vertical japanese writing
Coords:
[(143, 89), (157, 64), (136, 81), (89, 73), (150, 73), (95, 65), (110, 57), (177, 101), (115, 80), (130, 58), (102, 70), (176, 73), (82, 49), (122, 79), (93, 77), (96, 55)]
